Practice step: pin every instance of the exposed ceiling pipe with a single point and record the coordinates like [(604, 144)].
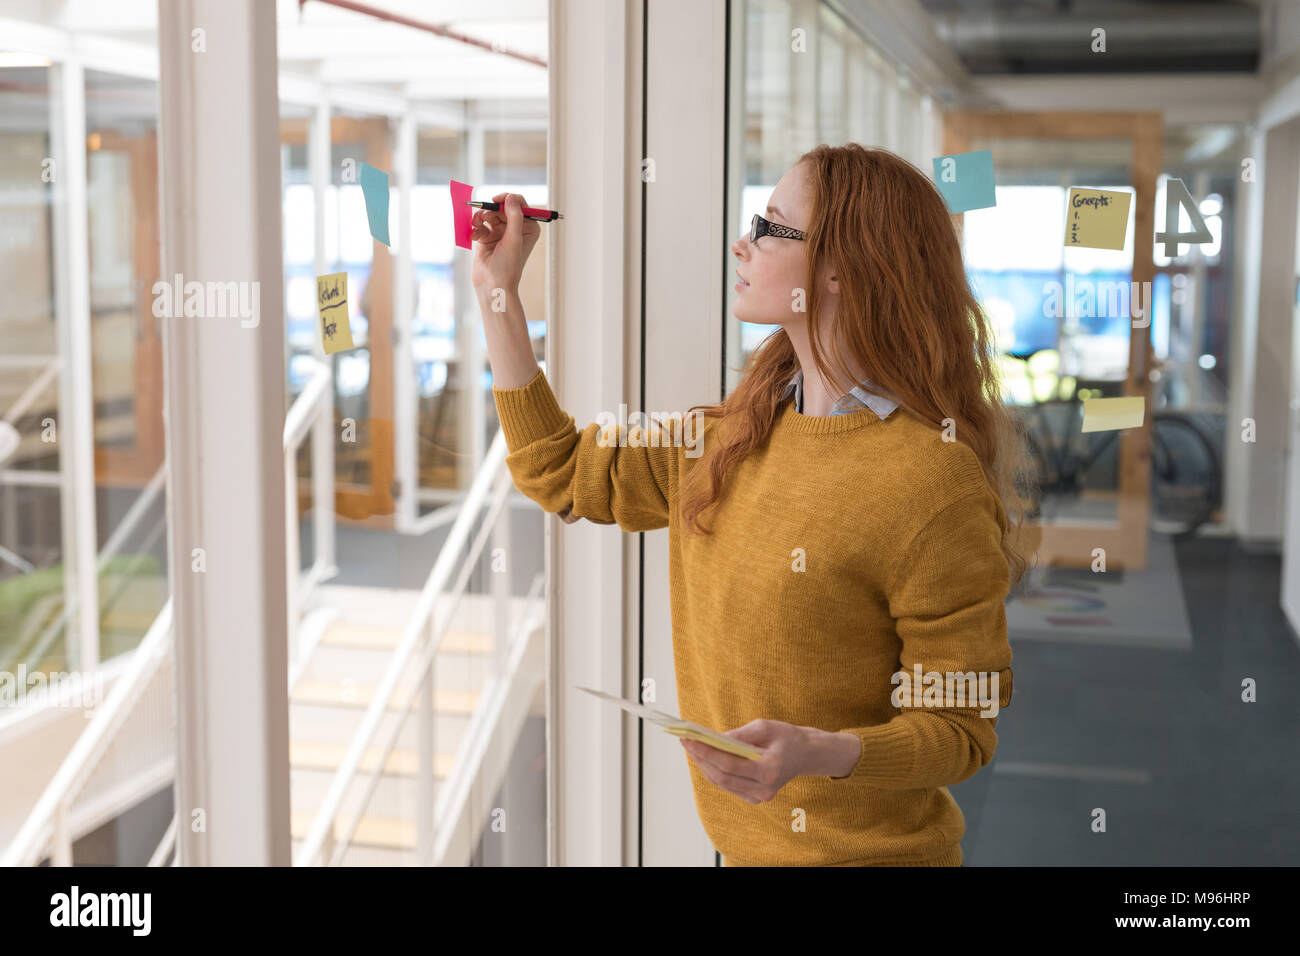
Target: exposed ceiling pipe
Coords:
[(428, 27), (1175, 29)]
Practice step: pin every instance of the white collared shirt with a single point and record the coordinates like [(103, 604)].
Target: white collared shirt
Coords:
[(852, 402)]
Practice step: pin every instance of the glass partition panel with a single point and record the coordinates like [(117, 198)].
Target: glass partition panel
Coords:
[(301, 328), (515, 161), (1061, 314), (363, 375), (126, 353), (33, 583), (435, 344), (839, 89)]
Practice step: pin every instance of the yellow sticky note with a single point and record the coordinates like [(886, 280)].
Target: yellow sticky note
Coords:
[(714, 739), (1096, 218), (332, 301), (1110, 414)]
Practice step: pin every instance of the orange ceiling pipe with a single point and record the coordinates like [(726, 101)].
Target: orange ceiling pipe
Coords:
[(428, 27)]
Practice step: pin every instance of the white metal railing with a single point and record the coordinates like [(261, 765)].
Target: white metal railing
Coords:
[(415, 654), (486, 748), (49, 829), (52, 827), (165, 846), (312, 412), (139, 508), (52, 364)]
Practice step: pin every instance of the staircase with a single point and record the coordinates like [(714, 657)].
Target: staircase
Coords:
[(351, 703), (359, 628)]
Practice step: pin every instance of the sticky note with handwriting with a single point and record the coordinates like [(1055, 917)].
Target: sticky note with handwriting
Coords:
[(1112, 414), (332, 301), (1096, 218), (374, 186), (965, 180)]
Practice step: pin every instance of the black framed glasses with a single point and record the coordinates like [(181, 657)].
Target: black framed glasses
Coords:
[(765, 227)]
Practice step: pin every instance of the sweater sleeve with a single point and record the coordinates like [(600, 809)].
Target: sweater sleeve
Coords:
[(612, 475), (947, 597)]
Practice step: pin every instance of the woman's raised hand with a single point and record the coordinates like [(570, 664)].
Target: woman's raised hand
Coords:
[(504, 239)]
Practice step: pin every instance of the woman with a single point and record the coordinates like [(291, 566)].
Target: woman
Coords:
[(855, 483)]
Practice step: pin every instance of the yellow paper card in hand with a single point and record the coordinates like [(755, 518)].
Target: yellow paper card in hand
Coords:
[(1096, 218), (713, 739), (332, 301), (1111, 414), (682, 728)]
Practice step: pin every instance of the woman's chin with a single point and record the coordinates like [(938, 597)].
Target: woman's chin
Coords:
[(745, 316)]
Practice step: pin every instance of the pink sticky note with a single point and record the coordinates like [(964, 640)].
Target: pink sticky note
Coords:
[(462, 215)]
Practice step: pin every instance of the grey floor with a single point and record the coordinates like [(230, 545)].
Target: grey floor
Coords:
[(1160, 740)]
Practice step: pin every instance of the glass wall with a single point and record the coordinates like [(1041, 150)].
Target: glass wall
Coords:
[(435, 351), (514, 160), (810, 77), (126, 353), (33, 584), (40, 548), (383, 79), (1130, 574), (1021, 271)]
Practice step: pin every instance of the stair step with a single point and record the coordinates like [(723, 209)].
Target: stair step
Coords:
[(387, 832), (332, 664), (370, 855), (359, 695), (394, 796), (454, 641), (385, 608), (337, 725), (312, 755)]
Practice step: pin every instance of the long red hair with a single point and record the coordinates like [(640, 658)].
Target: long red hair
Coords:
[(907, 316)]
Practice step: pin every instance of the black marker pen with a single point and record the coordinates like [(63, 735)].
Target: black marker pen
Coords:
[(530, 212)]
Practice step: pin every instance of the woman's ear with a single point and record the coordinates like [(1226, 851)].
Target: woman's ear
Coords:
[(830, 278)]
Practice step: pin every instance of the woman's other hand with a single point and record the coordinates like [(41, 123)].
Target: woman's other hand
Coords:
[(504, 240), (789, 751)]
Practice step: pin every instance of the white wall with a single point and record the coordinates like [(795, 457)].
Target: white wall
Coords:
[(1260, 386), (1271, 271)]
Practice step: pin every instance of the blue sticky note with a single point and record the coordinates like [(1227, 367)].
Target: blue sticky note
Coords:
[(374, 184), (966, 180)]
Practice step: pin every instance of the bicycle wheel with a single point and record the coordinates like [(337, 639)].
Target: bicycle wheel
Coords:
[(1185, 476)]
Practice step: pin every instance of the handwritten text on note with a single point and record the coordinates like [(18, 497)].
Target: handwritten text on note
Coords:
[(332, 301), (1096, 218)]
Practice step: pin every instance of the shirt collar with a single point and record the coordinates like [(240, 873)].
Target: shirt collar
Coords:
[(856, 399)]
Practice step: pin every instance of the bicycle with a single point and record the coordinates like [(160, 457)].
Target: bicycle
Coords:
[(1186, 479)]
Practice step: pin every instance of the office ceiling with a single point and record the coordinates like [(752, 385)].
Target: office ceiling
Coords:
[(333, 45), (1142, 36)]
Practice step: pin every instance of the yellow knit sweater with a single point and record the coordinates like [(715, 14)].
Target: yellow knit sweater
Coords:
[(844, 549)]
